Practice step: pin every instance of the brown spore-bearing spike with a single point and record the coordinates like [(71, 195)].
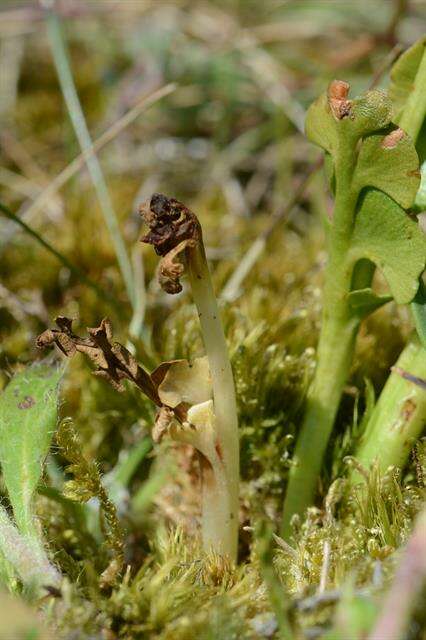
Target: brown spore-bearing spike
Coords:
[(173, 229), (170, 222)]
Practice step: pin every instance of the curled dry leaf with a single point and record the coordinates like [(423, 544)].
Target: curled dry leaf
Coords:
[(185, 382), (176, 387), (173, 229), (198, 430), (163, 423), (181, 384), (202, 419), (111, 359), (171, 267)]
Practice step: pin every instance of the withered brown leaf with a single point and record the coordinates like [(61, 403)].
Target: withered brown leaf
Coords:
[(112, 360), (171, 267)]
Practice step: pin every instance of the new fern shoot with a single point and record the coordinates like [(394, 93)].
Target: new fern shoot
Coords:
[(373, 169), (399, 416)]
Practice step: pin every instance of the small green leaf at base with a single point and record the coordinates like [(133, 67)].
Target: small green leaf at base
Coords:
[(28, 414), (384, 234), (365, 301)]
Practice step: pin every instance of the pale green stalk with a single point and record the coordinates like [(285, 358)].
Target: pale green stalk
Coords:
[(220, 483), (212, 427), (137, 321), (335, 350)]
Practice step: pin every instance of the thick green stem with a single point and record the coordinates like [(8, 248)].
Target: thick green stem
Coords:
[(335, 351), (399, 416), (220, 481)]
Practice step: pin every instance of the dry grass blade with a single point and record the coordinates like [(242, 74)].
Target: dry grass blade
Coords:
[(78, 163)]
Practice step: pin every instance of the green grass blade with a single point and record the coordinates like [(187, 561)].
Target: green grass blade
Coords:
[(143, 498), (62, 259), (28, 415), (63, 68), (125, 469)]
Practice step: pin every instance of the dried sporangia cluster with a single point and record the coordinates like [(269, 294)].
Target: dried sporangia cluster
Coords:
[(115, 363), (173, 229), (392, 139), (338, 92)]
